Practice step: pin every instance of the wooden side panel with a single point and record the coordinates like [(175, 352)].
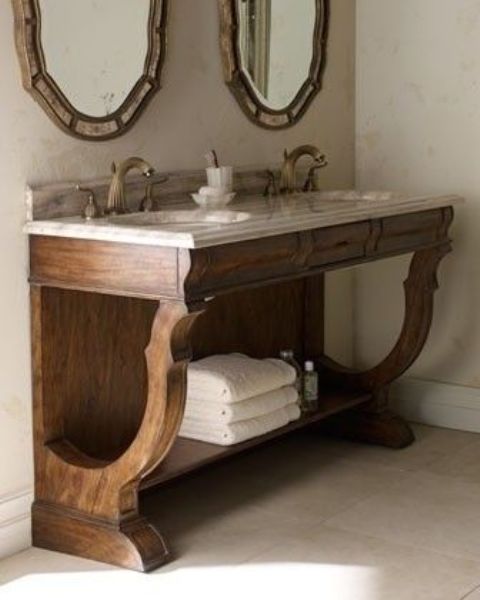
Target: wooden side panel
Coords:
[(125, 269), (93, 354), (94, 366)]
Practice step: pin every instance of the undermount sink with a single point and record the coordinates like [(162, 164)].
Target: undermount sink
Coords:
[(357, 196), (166, 218), (331, 201)]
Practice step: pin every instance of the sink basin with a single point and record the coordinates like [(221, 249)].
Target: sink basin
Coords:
[(328, 201), (357, 196), (165, 218)]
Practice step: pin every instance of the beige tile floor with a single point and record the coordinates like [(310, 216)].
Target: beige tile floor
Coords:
[(304, 518)]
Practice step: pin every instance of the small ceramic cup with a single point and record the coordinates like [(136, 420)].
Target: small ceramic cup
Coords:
[(220, 178)]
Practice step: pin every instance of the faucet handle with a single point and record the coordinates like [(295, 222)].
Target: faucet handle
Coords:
[(91, 210), (147, 203), (271, 185)]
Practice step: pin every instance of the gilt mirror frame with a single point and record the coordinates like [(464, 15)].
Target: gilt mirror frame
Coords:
[(240, 84), (44, 89)]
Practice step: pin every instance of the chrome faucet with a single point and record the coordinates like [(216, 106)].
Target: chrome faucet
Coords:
[(289, 168), (116, 203)]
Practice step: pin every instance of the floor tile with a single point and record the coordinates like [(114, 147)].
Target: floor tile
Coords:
[(306, 516), (374, 569), (331, 565), (432, 444), (424, 511), (42, 562), (233, 537), (473, 595), (302, 486), (315, 493), (464, 464)]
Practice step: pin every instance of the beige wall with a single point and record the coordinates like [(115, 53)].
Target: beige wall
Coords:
[(193, 113), (418, 129)]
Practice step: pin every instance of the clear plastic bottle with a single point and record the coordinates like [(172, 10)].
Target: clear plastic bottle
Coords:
[(310, 388), (289, 357)]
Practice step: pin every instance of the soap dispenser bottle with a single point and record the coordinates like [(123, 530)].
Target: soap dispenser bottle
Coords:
[(310, 387)]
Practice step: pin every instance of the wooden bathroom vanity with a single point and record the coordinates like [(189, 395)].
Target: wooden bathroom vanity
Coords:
[(119, 309)]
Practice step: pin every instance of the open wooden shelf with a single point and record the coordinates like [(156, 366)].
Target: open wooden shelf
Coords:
[(188, 455)]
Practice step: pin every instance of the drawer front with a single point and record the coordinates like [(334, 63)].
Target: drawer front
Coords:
[(232, 266), (408, 231), (245, 262), (291, 255), (339, 244)]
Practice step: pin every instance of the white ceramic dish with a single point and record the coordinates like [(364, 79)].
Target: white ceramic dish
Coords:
[(213, 202)]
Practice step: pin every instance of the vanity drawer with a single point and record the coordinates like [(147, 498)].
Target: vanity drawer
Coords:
[(231, 265), (338, 244), (413, 230)]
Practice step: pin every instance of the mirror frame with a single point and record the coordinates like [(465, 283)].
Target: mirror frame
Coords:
[(240, 84), (44, 89)]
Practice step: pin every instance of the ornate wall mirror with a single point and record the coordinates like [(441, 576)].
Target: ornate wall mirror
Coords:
[(93, 65), (274, 56)]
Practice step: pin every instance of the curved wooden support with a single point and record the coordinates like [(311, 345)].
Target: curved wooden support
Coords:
[(420, 287), (90, 507), (375, 423)]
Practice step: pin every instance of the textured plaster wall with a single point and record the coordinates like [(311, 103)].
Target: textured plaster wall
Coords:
[(418, 130)]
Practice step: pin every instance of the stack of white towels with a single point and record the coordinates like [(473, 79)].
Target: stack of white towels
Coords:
[(232, 398)]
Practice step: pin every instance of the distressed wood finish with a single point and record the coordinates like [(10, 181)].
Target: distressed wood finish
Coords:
[(240, 84), (159, 272), (123, 269), (88, 506), (375, 423), (106, 417), (189, 455), (254, 262), (44, 89)]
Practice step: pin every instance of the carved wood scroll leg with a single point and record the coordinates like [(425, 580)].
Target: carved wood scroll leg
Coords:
[(89, 508), (375, 423)]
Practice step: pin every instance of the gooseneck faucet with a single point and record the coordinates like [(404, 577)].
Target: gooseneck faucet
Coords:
[(289, 168), (116, 203)]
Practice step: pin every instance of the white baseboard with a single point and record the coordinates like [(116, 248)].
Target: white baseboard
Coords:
[(15, 522), (439, 404)]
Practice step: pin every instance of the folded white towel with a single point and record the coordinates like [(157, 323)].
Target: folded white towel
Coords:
[(218, 412), (234, 433), (230, 378)]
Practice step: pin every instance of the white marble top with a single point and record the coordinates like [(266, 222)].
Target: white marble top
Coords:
[(268, 217)]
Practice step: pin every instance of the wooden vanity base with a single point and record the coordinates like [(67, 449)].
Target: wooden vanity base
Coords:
[(132, 543), (381, 429), (113, 329)]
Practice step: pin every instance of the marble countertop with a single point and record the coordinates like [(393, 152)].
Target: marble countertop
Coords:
[(268, 217)]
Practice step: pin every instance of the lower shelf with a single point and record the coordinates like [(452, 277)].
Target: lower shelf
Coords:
[(188, 455)]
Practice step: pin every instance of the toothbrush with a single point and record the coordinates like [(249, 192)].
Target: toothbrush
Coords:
[(212, 159)]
